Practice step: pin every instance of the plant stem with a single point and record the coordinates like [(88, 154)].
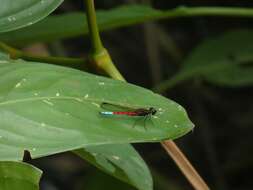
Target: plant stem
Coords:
[(17, 54), (212, 11), (185, 166), (97, 46), (99, 57)]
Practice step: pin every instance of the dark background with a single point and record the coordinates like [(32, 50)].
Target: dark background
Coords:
[(220, 147)]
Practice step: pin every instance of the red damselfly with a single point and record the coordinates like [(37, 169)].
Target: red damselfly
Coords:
[(115, 109)]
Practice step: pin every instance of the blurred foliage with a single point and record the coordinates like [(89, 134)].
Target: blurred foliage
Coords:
[(223, 61), (14, 175)]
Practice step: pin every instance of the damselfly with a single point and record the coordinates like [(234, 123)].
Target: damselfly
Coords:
[(115, 109)]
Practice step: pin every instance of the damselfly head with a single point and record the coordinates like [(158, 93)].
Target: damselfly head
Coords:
[(152, 111)]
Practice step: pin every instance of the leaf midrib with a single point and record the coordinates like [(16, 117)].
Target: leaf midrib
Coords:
[(78, 99)]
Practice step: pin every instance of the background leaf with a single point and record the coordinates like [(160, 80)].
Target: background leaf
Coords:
[(19, 175), (16, 14), (121, 161), (73, 24), (48, 109), (226, 60)]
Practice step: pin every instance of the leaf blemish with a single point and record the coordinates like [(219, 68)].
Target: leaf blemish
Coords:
[(95, 104), (180, 108), (78, 99), (101, 83), (176, 126), (18, 85), (11, 19), (43, 124), (115, 157), (57, 94), (86, 96), (48, 102)]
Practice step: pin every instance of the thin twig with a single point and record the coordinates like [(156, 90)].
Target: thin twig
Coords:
[(185, 166)]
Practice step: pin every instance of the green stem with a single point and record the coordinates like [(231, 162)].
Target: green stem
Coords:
[(97, 46), (99, 57), (104, 63), (211, 11), (17, 54)]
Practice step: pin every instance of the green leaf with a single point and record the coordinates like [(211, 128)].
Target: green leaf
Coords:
[(120, 161), (17, 14), (48, 109), (19, 175), (73, 24), (226, 60)]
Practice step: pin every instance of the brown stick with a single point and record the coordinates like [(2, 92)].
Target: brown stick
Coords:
[(185, 166)]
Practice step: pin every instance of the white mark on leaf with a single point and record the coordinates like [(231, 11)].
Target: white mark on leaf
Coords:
[(180, 108), (11, 18), (18, 85), (86, 96), (57, 94), (78, 99), (48, 102), (95, 104), (101, 83), (160, 112), (115, 157), (43, 124)]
